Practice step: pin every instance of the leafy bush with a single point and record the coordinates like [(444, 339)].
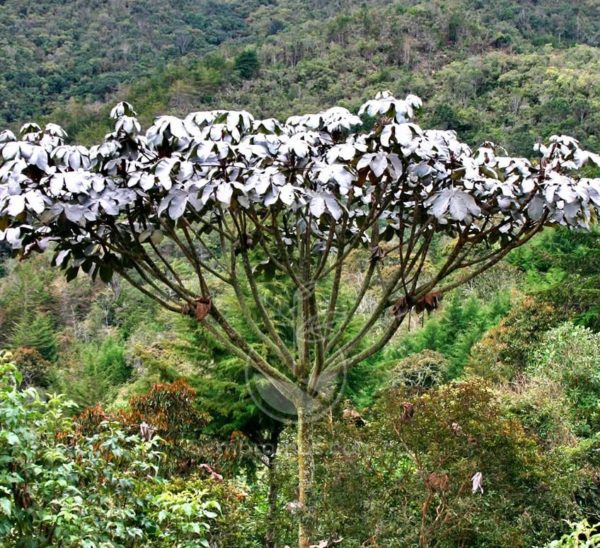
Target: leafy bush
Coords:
[(94, 372), (450, 435), (542, 406), (570, 355), (583, 535), (168, 410), (420, 371), (505, 350), (171, 409), (58, 488), (33, 367)]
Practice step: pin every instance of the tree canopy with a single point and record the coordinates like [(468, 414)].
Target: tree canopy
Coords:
[(294, 197)]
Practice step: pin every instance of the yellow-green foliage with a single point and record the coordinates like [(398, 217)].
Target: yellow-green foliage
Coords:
[(505, 349)]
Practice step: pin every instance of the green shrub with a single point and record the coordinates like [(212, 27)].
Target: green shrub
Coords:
[(542, 406), (33, 367), (455, 432), (58, 488), (570, 355), (583, 535), (419, 371), (95, 371), (505, 350)]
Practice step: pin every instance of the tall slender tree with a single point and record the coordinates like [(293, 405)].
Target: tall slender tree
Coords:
[(239, 198)]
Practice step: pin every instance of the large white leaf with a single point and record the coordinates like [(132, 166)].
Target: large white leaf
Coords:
[(317, 206), (177, 206), (299, 147), (16, 205), (163, 172), (344, 179), (404, 134), (472, 206), (286, 194), (57, 183), (458, 208), (440, 204), (10, 150), (346, 151), (334, 207), (74, 213), (35, 201), (262, 185), (177, 128), (386, 135), (567, 193), (270, 197), (61, 256), (146, 181), (224, 193), (594, 191), (75, 182), (460, 205), (39, 158), (109, 206), (98, 183), (528, 185), (535, 209), (379, 164)]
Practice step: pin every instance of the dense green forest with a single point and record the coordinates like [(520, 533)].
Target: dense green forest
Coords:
[(510, 72), (57, 51), (502, 379)]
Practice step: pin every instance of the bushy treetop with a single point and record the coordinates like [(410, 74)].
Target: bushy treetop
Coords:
[(319, 169)]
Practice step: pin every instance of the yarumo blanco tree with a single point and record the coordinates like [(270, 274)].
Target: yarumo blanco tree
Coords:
[(237, 197)]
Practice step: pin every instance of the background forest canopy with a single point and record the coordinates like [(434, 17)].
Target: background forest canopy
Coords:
[(502, 379), (507, 71)]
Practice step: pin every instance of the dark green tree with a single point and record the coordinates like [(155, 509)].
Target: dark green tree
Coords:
[(35, 331), (247, 64)]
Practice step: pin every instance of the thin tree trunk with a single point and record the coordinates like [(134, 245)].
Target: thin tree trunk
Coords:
[(272, 495), (272, 502), (304, 477)]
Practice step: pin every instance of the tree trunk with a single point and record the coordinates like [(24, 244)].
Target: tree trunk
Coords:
[(272, 495), (304, 477), (272, 502)]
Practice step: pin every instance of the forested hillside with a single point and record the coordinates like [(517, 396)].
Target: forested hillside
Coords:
[(86, 50), (500, 378), (507, 71)]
